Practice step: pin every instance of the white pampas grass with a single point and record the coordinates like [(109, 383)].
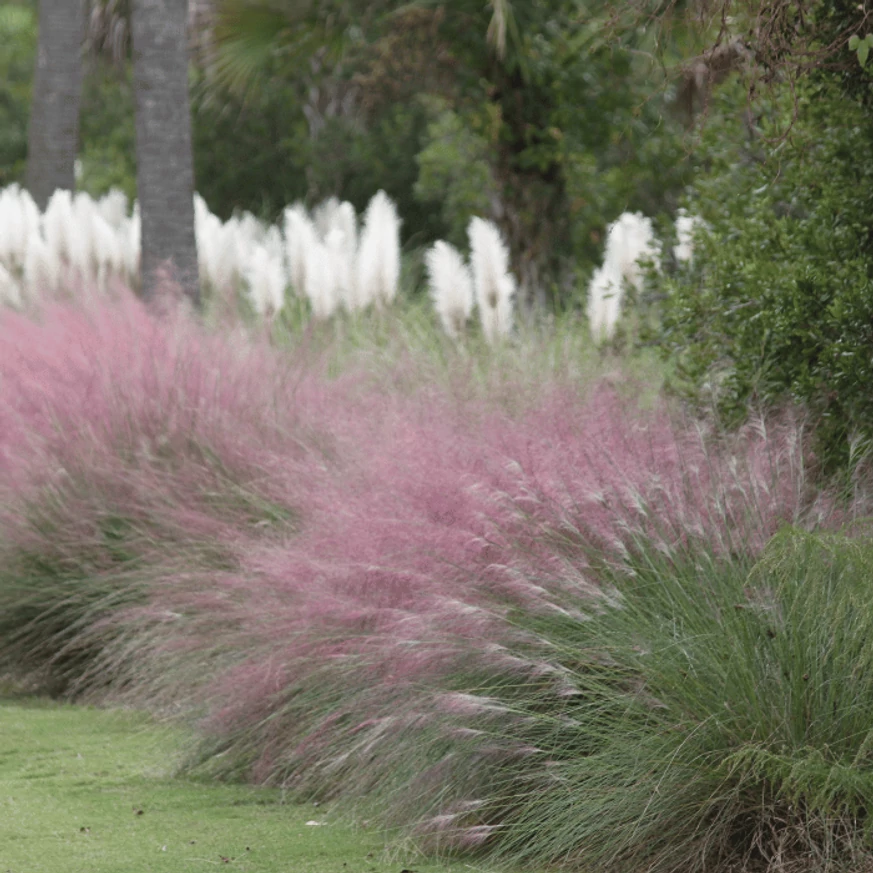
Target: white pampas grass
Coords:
[(300, 240), (266, 280), (378, 261), (19, 219), (57, 225), (10, 291), (493, 283), (113, 207), (321, 282), (79, 238), (686, 226), (451, 287), (604, 302), (41, 268), (630, 240)]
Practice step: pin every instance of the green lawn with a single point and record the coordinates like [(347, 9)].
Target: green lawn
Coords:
[(90, 791)]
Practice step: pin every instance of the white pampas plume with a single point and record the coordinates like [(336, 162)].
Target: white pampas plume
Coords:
[(451, 287), (10, 292), (686, 226), (630, 240), (41, 268), (266, 279), (378, 261), (274, 243), (84, 256), (57, 223), (19, 219), (300, 241), (226, 266), (131, 242), (107, 250), (210, 239), (321, 281), (12, 227), (346, 221), (493, 283), (604, 302), (343, 264), (112, 206), (324, 217)]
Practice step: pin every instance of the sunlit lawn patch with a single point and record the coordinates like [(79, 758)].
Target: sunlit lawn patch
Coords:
[(90, 791)]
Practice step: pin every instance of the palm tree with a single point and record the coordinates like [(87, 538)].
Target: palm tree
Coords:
[(53, 133), (165, 167)]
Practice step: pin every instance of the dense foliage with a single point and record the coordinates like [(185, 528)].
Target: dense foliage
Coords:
[(17, 52), (779, 301)]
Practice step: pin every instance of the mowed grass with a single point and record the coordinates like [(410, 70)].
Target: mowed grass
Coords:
[(84, 790)]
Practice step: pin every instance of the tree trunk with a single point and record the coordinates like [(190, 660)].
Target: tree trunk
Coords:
[(164, 161), (53, 133)]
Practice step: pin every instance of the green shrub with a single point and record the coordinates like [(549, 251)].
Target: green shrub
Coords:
[(706, 715), (17, 55), (779, 302)]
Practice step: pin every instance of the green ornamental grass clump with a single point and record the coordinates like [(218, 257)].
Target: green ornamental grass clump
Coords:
[(702, 715)]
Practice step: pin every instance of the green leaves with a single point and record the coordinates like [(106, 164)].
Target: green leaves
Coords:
[(861, 47), (779, 304)]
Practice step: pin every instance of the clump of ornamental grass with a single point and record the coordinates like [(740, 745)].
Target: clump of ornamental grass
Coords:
[(377, 264), (697, 715), (630, 242), (493, 282), (453, 517), (137, 452), (451, 287), (375, 587)]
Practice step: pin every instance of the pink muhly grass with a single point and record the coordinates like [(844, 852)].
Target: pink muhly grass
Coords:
[(447, 515), (327, 571), (134, 448)]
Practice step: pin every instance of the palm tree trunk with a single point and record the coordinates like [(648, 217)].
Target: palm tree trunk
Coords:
[(53, 132), (164, 161)]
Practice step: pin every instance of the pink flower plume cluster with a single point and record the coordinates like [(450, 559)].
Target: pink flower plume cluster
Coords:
[(318, 561)]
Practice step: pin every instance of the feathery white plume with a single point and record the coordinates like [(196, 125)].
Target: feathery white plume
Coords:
[(451, 287), (494, 284), (57, 224), (300, 241), (686, 226), (266, 279), (604, 302), (343, 264), (630, 240), (321, 281), (378, 261), (41, 268), (10, 291), (112, 206)]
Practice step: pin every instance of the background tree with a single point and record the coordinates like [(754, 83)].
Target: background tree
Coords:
[(165, 173), (521, 112), (778, 304), (18, 38), (53, 134)]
